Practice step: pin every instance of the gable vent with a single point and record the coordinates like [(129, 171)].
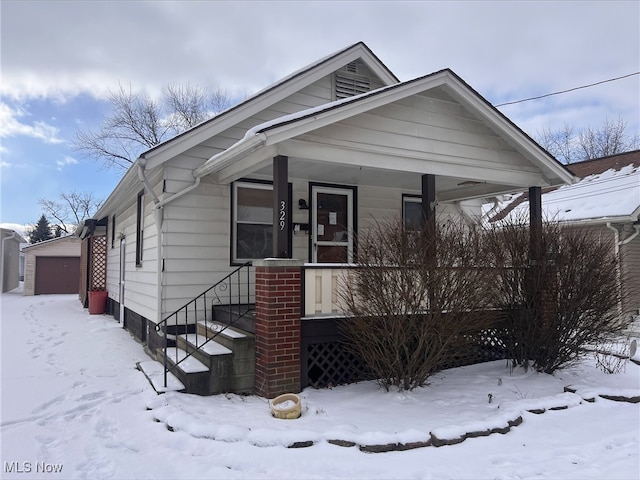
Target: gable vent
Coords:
[(351, 67), (349, 84)]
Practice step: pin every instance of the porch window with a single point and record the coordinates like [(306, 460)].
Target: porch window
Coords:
[(252, 221), (139, 227), (412, 212)]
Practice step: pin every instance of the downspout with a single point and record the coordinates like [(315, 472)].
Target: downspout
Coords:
[(616, 248), (159, 220), (492, 210)]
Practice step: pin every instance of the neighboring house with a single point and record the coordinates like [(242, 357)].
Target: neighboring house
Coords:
[(290, 175), (52, 266), (10, 259), (606, 200)]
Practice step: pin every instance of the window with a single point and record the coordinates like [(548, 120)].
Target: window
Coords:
[(412, 212), (113, 231), (252, 229), (139, 228)]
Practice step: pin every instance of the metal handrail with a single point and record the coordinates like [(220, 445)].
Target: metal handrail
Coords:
[(227, 291)]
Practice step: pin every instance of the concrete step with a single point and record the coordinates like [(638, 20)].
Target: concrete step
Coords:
[(217, 358), (154, 371), (242, 317), (194, 375), (242, 344)]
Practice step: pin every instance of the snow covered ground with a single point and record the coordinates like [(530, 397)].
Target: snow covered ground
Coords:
[(74, 406)]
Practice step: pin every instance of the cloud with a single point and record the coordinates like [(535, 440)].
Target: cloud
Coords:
[(11, 126), (67, 160)]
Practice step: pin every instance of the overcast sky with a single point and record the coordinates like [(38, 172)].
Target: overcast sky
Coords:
[(59, 59)]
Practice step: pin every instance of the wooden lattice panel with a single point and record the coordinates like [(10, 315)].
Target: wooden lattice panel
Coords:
[(333, 364), (98, 271)]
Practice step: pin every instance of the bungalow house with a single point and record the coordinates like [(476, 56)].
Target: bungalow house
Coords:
[(10, 260), (606, 201), (258, 206)]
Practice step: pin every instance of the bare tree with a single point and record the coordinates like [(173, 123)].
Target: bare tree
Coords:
[(70, 209), (570, 146), (560, 143), (192, 104), (610, 139), (138, 122)]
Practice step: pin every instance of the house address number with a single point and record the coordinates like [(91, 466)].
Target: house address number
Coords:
[(283, 214)]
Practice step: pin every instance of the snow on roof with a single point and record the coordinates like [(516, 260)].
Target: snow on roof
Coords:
[(612, 193)]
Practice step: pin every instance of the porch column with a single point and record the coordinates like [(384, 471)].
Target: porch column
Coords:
[(281, 220), (429, 211), (543, 285), (535, 224), (277, 334)]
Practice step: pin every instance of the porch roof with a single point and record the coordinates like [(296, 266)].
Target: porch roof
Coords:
[(434, 124)]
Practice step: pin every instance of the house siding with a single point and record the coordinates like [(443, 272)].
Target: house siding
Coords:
[(141, 281), (445, 130), (630, 261)]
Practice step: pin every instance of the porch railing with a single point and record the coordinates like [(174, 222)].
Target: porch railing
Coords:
[(321, 282), (234, 291)]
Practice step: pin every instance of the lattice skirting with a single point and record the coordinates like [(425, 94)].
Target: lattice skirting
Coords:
[(333, 363)]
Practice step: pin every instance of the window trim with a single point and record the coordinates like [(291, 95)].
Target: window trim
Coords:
[(246, 183), (249, 183)]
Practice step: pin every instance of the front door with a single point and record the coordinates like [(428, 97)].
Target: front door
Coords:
[(332, 224)]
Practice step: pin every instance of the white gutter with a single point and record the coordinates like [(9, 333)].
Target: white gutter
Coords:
[(141, 164), (238, 150), (158, 218)]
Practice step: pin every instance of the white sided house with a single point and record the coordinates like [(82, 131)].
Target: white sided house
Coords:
[(261, 205)]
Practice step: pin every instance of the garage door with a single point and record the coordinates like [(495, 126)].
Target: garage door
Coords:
[(57, 275)]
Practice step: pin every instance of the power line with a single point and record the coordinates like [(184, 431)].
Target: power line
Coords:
[(566, 91)]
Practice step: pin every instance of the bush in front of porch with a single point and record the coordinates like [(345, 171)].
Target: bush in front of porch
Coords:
[(415, 299), (560, 303), (419, 299)]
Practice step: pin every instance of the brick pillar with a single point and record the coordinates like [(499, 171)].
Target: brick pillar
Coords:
[(277, 335)]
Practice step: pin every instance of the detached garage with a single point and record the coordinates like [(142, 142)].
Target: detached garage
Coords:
[(52, 266)]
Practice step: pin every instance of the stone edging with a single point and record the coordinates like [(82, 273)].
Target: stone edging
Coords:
[(434, 441)]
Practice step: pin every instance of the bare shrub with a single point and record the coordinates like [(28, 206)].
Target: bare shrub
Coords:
[(559, 303), (414, 299), (612, 355)]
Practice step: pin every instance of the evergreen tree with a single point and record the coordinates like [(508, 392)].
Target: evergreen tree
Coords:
[(41, 231)]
